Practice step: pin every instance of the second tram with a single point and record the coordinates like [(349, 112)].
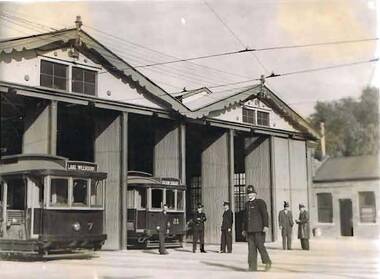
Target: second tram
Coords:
[(146, 197)]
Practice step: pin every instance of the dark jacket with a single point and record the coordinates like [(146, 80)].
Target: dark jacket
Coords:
[(303, 225), (255, 216), (163, 222), (228, 219), (285, 220), (199, 220)]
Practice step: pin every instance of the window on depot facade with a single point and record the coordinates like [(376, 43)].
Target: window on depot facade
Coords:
[(83, 81), (262, 118), (53, 75), (249, 116)]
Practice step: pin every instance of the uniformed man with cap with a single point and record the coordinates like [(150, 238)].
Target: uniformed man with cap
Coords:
[(198, 223), (226, 238), (255, 225), (163, 229), (285, 221)]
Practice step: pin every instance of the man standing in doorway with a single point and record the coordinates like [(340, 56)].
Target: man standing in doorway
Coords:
[(303, 227), (255, 225), (198, 223), (163, 229), (226, 239), (285, 221)]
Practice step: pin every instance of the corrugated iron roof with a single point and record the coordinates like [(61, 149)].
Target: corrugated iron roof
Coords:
[(348, 168)]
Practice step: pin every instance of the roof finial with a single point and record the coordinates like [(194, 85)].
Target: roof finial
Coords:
[(262, 91), (78, 22)]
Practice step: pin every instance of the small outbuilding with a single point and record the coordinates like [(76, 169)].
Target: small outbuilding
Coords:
[(346, 197)]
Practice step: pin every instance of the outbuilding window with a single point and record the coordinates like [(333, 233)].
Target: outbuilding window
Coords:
[(325, 208), (53, 75), (367, 207)]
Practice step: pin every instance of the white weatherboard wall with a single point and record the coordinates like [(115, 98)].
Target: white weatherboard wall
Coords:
[(15, 67), (347, 190)]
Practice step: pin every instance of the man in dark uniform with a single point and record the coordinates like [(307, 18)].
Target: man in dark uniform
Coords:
[(198, 223), (255, 225), (303, 227), (285, 221), (226, 239), (163, 229)]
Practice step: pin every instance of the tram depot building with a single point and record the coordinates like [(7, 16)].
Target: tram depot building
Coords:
[(65, 94)]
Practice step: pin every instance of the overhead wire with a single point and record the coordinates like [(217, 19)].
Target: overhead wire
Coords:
[(234, 35), (273, 75)]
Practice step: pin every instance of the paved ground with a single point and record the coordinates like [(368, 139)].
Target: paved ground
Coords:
[(343, 258)]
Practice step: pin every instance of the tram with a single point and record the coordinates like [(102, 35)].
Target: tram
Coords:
[(50, 204), (146, 197)]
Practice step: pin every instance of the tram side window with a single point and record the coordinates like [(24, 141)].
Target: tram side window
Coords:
[(16, 194), (80, 190), (157, 198), (180, 200), (141, 198), (59, 191), (170, 199), (96, 193)]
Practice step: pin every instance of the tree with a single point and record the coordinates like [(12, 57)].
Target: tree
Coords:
[(351, 126)]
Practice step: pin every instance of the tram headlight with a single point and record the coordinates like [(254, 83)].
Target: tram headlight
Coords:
[(76, 227)]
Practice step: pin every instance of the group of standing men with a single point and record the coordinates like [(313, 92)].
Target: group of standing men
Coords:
[(255, 227)]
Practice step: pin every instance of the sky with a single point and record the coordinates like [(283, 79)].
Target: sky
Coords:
[(144, 32)]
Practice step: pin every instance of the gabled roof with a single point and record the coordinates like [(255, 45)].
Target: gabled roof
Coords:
[(348, 168), (201, 108), (94, 49), (265, 95)]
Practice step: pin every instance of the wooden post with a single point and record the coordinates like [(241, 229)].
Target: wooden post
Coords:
[(108, 150), (167, 150), (258, 171), (40, 135), (124, 179), (231, 167), (215, 181)]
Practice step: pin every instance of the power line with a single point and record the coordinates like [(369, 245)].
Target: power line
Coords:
[(164, 54), (234, 35), (373, 60), (256, 50)]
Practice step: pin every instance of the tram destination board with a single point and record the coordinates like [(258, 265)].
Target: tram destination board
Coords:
[(81, 166)]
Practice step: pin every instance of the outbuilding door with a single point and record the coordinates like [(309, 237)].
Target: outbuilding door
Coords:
[(346, 226)]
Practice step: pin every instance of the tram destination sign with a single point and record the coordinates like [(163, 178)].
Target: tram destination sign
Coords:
[(81, 166)]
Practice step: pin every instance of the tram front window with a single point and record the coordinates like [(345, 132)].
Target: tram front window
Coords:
[(180, 200), (96, 193), (80, 190), (59, 191), (157, 198), (141, 198), (170, 199), (16, 194)]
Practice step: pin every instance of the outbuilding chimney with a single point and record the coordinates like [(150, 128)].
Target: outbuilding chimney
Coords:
[(323, 140)]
